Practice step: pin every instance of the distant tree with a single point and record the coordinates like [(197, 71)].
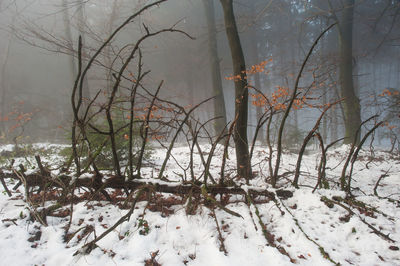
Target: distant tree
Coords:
[(351, 104), (3, 78), (254, 54), (219, 102)]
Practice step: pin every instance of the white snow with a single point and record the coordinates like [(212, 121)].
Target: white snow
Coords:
[(182, 239)]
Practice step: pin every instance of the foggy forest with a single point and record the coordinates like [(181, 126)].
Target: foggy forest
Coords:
[(199, 132)]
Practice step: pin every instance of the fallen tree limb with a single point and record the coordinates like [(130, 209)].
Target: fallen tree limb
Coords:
[(87, 248), (321, 249), (4, 184), (268, 235), (379, 180), (374, 230), (36, 179)]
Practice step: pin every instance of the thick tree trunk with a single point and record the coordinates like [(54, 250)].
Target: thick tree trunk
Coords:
[(351, 104), (219, 102), (241, 92)]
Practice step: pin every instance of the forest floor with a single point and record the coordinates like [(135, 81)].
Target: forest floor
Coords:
[(320, 228)]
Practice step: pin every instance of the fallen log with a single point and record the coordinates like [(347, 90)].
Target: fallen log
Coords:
[(37, 180)]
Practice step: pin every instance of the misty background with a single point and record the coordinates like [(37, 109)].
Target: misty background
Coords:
[(39, 40)]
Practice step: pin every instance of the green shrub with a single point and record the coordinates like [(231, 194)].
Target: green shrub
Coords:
[(101, 144)]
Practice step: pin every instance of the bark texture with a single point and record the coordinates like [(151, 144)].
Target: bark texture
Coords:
[(241, 92), (351, 103)]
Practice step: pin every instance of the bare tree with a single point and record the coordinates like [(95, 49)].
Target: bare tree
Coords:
[(3, 83), (219, 102), (351, 105), (241, 92)]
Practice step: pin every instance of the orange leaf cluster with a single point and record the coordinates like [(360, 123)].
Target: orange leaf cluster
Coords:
[(386, 124), (281, 92), (157, 137), (235, 78), (259, 100), (387, 92), (17, 116), (141, 117), (299, 103), (280, 106), (258, 68)]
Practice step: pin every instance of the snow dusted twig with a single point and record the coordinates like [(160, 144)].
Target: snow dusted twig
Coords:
[(354, 158), (343, 184), (4, 183), (322, 164), (33, 210), (87, 248), (274, 178), (268, 236), (324, 254), (221, 239), (220, 137), (379, 180), (225, 154), (211, 199), (374, 230), (309, 136), (160, 174)]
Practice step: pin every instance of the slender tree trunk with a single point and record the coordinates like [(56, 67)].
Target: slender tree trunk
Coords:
[(241, 92), (334, 123), (324, 92), (68, 114), (3, 87), (219, 102), (398, 68), (294, 111), (68, 33), (351, 104), (3, 77), (81, 28), (108, 51)]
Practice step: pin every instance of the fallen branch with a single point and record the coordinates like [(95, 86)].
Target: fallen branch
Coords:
[(211, 199), (221, 239), (374, 230), (33, 210), (379, 180), (324, 254), (268, 236), (4, 184), (87, 248), (115, 182)]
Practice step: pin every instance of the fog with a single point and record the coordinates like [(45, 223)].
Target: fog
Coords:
[(39, 43)]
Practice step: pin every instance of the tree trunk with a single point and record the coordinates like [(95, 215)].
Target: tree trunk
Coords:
[(67, 112), (81, 29), (108, 51), (241, 92), (219, 102), (3, 87), (351, 104), (324, 91)]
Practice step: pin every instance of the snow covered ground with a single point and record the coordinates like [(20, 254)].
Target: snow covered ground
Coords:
[(310, 231)]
